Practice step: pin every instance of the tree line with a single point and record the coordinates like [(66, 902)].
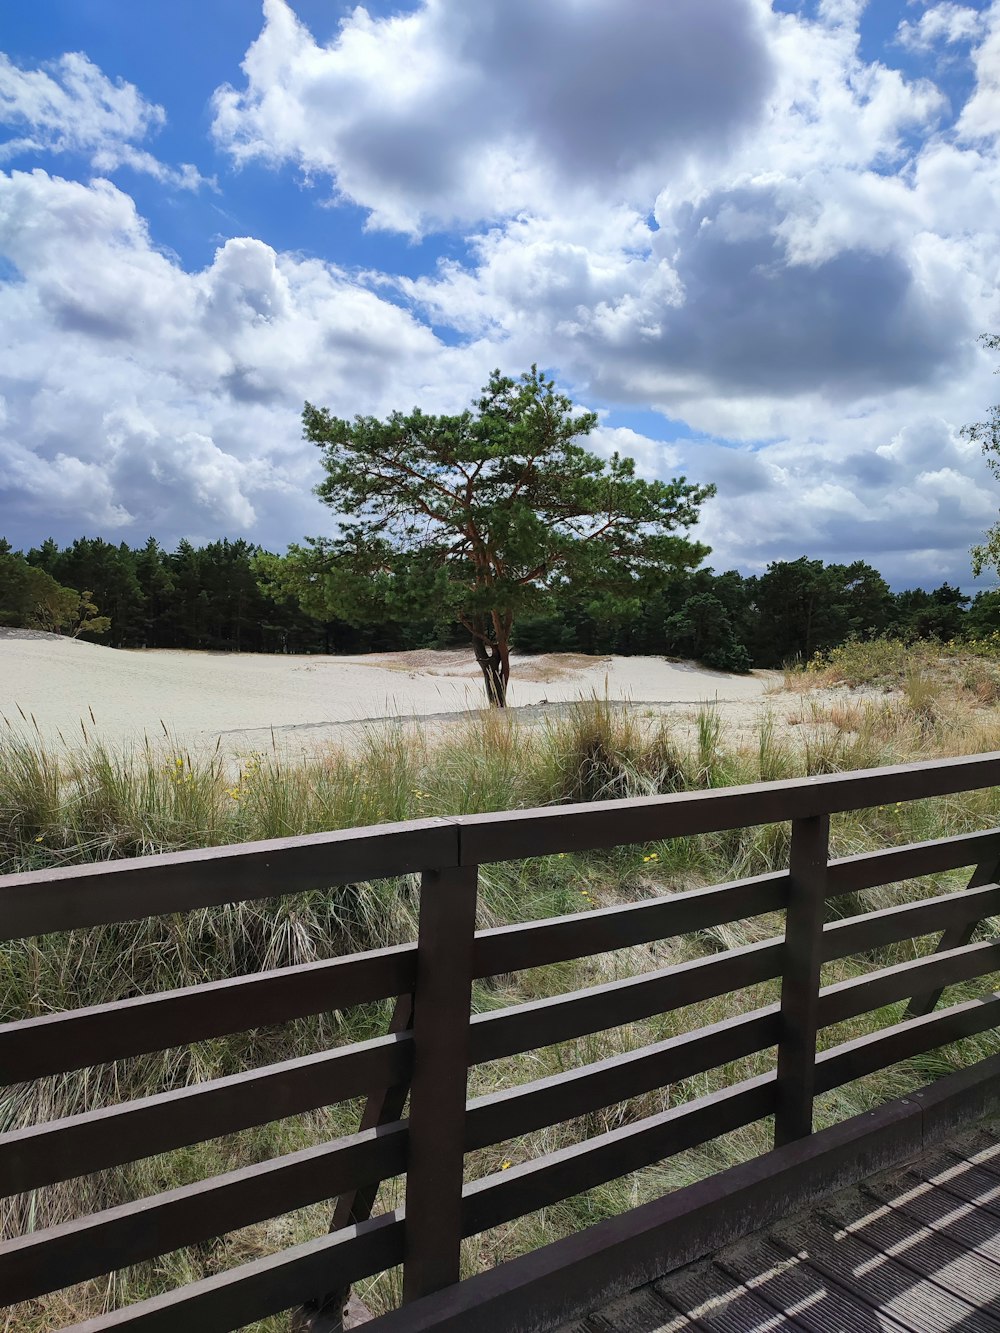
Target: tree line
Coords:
[(221, 597)]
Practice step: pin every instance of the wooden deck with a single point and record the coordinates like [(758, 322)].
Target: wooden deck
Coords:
[(914, 1250)]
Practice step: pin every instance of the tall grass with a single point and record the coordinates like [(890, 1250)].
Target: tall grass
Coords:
[(92, 804)]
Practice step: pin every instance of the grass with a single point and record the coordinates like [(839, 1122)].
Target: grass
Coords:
[(91, 804)]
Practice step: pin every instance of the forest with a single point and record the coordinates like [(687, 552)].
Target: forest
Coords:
[(220, 597)]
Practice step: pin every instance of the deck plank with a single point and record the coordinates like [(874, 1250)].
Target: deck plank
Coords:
[(964, 1181), (642, 1311), (884, 1283), (975, 1229), (913, 1250), (790, 1283), (722, 1303), (916, 1247)]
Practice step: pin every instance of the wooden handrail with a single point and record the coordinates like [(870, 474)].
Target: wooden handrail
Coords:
[(430, 1059)]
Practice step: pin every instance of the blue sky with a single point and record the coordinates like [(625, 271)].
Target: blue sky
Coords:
[(760, 239)]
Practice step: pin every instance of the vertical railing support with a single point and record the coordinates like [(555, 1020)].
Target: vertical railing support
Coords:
[(383, 1105), (441, 1014), (955, 937), (800, 978)]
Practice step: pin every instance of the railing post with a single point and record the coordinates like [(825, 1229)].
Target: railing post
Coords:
[(441, 1014), (800, 978)]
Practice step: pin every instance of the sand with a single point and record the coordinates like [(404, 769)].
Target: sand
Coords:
[(247, 701)]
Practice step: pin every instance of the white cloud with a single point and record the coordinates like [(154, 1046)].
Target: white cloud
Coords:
[(140, 397), (454, 113), (72, 107), (980, 118), (942, 24)]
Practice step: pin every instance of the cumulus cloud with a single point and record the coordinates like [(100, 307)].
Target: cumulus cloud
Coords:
[(941, 25), (455, 113), (143, 398), (70, 106), (910, 505)]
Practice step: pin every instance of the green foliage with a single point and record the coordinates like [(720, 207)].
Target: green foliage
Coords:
[(234, 596), (482, 518), (30, 598), (882, 662), (804, 606), (929, 615), (702, 629)]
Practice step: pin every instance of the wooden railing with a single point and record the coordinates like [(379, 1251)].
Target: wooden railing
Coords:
[(434, 1039)]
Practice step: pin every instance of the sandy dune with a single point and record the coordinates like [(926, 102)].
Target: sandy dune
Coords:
[(121, 695)]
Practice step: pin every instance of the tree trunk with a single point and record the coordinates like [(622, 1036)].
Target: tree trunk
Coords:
[(494, 662)]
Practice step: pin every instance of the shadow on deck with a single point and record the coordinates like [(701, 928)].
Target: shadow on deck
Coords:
[(915, 1250)]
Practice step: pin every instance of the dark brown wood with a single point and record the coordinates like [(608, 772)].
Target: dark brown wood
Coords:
[(874, 930), (60, 1149), (539, 943), (40, 901), (385, 1103), (847, 999), (713, 1297), (59, 1256), (59, 1043), (441, 1004), (800, 979), (37, 902), (955, 937), (851, 874), (967, 1095), (922, 1306), (543, 832), (879, 1050), (264, 1287), (530, 1106), (524, 1027), (559, 1175)]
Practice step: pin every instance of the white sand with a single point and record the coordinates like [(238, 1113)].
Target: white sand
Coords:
[(121, 695)]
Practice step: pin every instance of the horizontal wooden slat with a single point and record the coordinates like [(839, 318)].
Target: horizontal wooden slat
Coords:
[(867, 870), (559, 1175), (505, 1115), (40, 901), (59, 1256), (539, 943), (525, 1027), (853, 1059), (60, 1149), (58, 1043), (253, 1291), (543, 832), (873, 930), (858, 995)]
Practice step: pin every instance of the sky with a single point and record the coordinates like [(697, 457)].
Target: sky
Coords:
[(759, 239)]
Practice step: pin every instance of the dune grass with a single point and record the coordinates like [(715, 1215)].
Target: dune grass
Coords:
[(93, 803)]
